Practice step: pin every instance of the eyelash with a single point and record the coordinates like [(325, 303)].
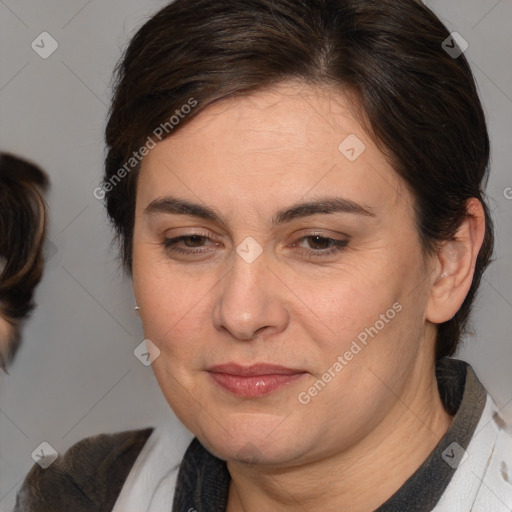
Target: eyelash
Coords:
[(336, 246)]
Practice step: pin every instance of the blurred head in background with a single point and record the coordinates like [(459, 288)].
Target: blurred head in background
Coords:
[(22, 234)]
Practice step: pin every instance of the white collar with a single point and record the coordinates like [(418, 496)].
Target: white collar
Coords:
[(483, 479), (150, 484)]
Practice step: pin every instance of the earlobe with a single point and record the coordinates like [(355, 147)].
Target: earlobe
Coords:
[(455, 266)]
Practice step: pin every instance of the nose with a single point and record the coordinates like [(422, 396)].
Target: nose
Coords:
[(251, 301)]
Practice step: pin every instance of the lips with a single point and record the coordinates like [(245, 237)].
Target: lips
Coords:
[(253, 381), (255, 369)]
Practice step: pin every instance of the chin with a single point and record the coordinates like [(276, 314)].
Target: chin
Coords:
[(252, 438)]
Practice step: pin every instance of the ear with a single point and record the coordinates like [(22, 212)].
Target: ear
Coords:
[(455, 266)]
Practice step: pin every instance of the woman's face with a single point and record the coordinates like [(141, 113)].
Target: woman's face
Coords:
[(300, 251)]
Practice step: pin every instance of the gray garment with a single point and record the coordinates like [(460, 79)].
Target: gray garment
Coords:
[(88, 478)]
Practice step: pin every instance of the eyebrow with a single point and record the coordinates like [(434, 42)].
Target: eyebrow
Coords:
[(323, 205)]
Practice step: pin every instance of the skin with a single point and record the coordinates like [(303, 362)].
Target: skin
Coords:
[(6, 338), (5, 328), (247, 159)]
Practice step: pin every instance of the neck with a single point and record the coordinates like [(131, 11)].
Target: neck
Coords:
[(359, 479)]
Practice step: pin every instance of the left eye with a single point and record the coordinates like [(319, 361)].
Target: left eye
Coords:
[(322, 246)]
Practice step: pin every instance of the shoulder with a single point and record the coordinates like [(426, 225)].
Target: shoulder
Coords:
[(88, 477)]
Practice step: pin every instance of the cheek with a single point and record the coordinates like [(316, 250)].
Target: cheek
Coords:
[(369, 320), (157, 289), (173, 306), (356, 302)]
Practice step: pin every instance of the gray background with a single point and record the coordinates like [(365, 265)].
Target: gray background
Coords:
[(76, 374)]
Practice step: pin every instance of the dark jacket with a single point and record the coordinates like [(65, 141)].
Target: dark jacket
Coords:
[(88, 478)]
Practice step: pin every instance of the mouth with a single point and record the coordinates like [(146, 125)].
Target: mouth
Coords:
[(253, 381)]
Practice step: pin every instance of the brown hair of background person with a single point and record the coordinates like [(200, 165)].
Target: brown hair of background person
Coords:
[(22, 234), (398, 75)]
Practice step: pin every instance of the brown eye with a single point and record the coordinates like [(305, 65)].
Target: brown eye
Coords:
[(320, 246), (192, 244)]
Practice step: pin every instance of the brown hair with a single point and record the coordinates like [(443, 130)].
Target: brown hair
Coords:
[(22, 233), (421, 106)]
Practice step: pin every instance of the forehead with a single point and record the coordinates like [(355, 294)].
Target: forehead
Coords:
[(278, 145), (280, 118)]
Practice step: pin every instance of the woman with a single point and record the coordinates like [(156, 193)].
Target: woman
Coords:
[(298, 192), (22, 228)]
